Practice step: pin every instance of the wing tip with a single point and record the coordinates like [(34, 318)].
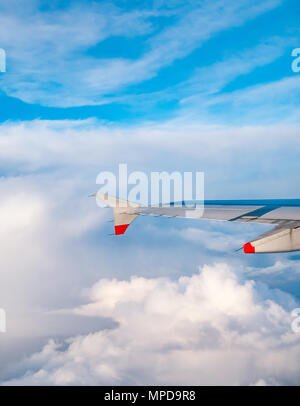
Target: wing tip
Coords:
[(249, 249), (120, 229)]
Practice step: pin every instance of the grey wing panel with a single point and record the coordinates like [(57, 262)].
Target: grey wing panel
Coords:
[(285, 225), (236, 213), (215, 212)]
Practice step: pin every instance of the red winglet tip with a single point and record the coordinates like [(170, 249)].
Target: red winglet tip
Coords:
[(249, 249), (121, 229)]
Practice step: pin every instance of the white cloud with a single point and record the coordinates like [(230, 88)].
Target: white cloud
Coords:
[(277, 267), (280, 266), (86, 147), (19, 211), (54, 241), (209, 328), (212, 240)]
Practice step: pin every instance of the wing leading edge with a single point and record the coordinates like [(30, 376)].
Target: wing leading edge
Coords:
[(284, 214)]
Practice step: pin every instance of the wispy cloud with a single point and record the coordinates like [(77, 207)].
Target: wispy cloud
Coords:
[(212, 79), (267, 102), (206, 88), (47, 50)]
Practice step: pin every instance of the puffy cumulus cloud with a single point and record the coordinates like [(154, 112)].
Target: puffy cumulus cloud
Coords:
[(210, 328)]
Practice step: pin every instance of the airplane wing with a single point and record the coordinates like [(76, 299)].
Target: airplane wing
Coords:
[(283, 214)]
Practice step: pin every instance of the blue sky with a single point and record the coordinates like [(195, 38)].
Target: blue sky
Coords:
[(159, 85), (126, 62)]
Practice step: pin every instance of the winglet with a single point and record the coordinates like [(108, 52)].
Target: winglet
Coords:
[(124, 211), (120, 229)]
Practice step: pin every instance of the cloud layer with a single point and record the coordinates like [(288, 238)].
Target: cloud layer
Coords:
[(209, 328), (55, 245)]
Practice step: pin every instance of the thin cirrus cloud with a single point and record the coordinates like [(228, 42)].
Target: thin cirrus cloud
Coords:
[(209, 81), (48, 60), (264, 103), (205, 88)]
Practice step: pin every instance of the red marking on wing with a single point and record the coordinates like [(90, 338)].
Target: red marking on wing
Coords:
[(249, 249), (121, 229)]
